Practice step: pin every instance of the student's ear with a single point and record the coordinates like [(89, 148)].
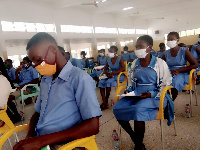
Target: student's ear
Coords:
[(53, 49)]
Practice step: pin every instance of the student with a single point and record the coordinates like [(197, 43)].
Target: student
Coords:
[(4, 72), (102, 62), (116, 63), (161, 51), (176, 58), (84, 60), (98, 56), (67, 107), (75, 62), (147, 77), (11, 69), (195, 51), (28, 75), (198, 43), (126, 55)]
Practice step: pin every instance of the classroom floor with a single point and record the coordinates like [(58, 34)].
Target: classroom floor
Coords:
[(188, 128)]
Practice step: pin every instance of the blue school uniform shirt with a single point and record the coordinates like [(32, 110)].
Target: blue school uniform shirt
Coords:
[(159, 53), (126, 56), (98, 58), (11, 73), (28, 75), (66, 101), (83, 62), (198, 44), (133, 56), (75, 62)]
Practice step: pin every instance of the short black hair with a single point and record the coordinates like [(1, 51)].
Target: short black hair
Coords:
[(83, 52), (27, 59), (181, 44), (174, 33), (147, 38), (39, 37), (68, 53), (125, 47), (162, 45), (61, 48), (103, 50), (114, 47), (9, 61)]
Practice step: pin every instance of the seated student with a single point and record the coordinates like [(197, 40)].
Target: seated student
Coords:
[(195, 51), (11, 69), (5, 92), (84, 60), (198, 43), (98, 56), (127, 56), (75, 62), (116, 63), (67, 107), (161, 51), (176, 58), (27, 75), (102, 62), (147, 77)]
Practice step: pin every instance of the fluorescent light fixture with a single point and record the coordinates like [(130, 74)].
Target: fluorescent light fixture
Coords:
[(103, 1), (127, 8)]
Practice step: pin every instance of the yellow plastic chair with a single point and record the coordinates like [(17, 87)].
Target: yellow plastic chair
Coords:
[(160, 115), (192, 82), (118, 77), (88, 142), (8, 123)]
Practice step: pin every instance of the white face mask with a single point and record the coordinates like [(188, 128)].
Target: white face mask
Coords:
[(111, 55), (199, 39), (82, 56), (141, 53), (172, 44), (125, 52)]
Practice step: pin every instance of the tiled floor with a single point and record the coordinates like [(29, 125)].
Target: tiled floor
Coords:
[(188, 128)]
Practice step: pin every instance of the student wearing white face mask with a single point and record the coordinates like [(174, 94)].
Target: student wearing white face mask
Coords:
[(176, 58), (126, 55), (84, 60), (147, 77), (116, 63)]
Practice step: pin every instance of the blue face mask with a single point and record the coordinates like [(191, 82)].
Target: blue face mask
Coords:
[(101, 54)]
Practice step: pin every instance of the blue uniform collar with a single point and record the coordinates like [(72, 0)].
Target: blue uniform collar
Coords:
[(64, 74), (152, 62)]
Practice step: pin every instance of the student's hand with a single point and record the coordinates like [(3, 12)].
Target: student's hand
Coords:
[(28, 144), (19, 88), (145, 95), (174, 72), (111, 75), (126, 92), (108, 74), (18, 69)]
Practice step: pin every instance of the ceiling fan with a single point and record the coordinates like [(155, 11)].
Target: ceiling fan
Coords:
[(92, 4)]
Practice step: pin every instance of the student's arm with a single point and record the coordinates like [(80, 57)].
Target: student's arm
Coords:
[(87, 63), (191, 60), (33, 122), (85, 129), (163, 57), (105, 68), (198, 52), (122, 67), (35, 81)]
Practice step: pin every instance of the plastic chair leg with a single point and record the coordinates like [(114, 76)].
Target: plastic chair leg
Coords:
[(191, 103), (176, 134), (195, 90), (162, 134)]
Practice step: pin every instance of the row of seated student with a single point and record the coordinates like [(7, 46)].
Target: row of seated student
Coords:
[(67, 107)]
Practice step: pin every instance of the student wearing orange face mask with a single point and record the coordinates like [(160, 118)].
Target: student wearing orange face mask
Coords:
[(67, 107)]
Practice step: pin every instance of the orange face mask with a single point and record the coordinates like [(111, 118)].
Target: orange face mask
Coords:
[(45, 68)]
